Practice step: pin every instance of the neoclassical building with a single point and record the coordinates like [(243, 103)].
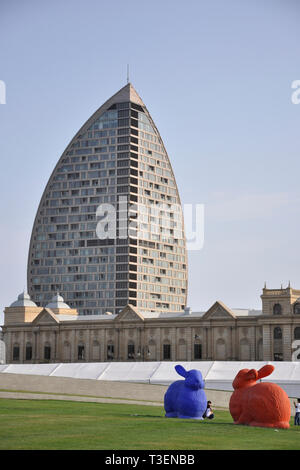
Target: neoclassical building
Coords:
[(56, 333)]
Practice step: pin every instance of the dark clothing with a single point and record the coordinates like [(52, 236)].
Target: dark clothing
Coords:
[(211, 416)]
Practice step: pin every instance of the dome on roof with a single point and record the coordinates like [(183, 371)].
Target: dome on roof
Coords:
[(57, 302), (24, 300)]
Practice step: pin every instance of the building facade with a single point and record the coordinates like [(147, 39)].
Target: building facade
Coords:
[(56, 333), (2, 349), (109, 228)]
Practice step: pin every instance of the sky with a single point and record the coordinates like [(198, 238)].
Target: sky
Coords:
[(216, 78)]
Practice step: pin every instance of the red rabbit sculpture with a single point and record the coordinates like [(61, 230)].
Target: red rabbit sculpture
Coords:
[(262, 404)]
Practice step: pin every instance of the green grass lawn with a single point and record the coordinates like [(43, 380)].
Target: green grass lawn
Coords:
[(51, 424)]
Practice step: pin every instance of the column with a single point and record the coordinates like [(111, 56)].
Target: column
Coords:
[(22, 347), (73, 345), (189, 337), (158, 344), (252, 340), (87, 342), (117, 330), (205, 345), (267, 343), (8, 347), (287, 338), (231, 354), (36, 346)]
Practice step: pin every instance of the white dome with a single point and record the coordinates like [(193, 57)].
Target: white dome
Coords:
[(57, 302), (23, 301)]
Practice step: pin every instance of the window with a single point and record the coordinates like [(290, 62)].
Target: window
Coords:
[(277, 333), (297, 308), (297, 332), (130, 351), (47, 352), (278, 357), (28, 353), (277, 310), (80, 352), (166, 352), (197, 351), (16, 352), (110, 352)]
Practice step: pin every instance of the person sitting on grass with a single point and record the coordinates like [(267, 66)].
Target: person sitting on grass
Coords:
[(297, 413), (208, 412)]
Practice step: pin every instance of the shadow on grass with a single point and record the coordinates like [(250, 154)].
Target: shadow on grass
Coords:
[(187, 420), (146, 416), (215, 423)]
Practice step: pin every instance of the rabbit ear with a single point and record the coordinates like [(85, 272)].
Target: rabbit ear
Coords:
[(181, 371), (265, 370), (251, 375)]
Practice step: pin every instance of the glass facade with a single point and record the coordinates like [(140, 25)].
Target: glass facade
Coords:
[(116, 160)]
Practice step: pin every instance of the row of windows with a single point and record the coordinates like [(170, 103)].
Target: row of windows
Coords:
[(277, 309), (110, 352), (277, 332), (131, 350)]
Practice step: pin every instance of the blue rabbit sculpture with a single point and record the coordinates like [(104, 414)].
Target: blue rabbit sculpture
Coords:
[(186, 398)]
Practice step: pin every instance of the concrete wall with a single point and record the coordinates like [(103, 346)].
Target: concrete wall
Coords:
[(99, 388)]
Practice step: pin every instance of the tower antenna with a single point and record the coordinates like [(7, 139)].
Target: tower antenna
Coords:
[(127, 73)]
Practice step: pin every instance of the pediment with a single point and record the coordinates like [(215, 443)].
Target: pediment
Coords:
[(218, 310), (45, 317), (129, 313)]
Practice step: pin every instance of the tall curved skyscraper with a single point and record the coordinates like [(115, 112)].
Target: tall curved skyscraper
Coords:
[(109, 228)]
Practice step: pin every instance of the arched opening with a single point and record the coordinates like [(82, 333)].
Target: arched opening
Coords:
[(47, 352), (277, 332), (297, 332), (130, 350), (221, 350), (277, 345), (80, 352), (260, 349), (67, 352), (28, 352), (110, 351), (245, 350), (96, 351), (197, 351), (182, 350), (152, 350), (277, 310), (297, 308), (16, 352), (166, 352)]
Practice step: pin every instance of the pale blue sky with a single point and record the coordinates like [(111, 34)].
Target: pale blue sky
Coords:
[(216, 77)]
